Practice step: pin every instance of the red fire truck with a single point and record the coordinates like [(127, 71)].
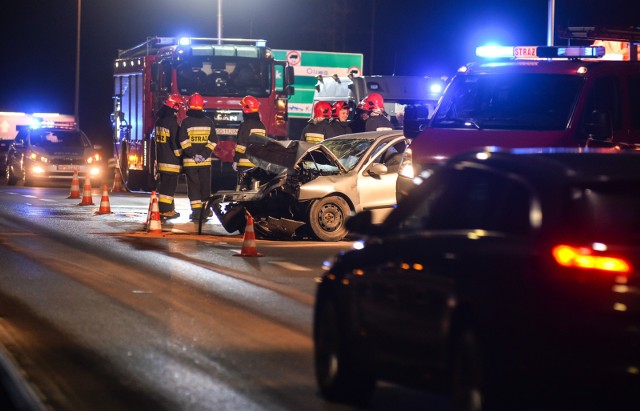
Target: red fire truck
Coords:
[(529, 96), (221, 70)]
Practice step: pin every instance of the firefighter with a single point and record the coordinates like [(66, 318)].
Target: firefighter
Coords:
[(251, 124), (377, 121), (359, 119), (168, 154), (197, 137), (319, 127), (339, 118)]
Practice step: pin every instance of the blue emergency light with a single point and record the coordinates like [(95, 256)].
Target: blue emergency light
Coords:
[(539, 52)]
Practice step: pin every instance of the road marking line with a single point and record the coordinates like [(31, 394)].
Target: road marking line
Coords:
[(290, 266)]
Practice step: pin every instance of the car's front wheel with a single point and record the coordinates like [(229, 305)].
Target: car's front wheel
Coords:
[(12, 178), (339, 375), (327, 217)]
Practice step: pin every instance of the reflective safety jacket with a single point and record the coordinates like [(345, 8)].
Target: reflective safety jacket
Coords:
[(197, 135), (250, 125), (377, 122), (317, 131), (168, 150)]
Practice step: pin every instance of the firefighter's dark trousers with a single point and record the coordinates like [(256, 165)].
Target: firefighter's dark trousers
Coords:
[(198, 187), (167, 185)]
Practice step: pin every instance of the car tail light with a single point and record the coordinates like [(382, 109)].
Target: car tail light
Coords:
[(589, 259)]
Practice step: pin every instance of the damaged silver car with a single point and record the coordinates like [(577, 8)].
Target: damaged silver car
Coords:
[(301, 190)]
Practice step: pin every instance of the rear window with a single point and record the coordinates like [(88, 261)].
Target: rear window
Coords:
[(509, 102)]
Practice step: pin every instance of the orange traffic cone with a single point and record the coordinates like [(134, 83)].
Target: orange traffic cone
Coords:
[(249, 241), (118, 187), (154, 226), (75, 185), (105, 207), (86, 193), (153, 196)]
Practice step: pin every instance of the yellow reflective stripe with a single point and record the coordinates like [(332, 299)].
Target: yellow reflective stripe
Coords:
[(240, 149), (211, 145), (177, 152), (169, 168), (162, 134), (188, 162), (165, 199), (196, 204), (198, 135), (185, 144), (314, 137), (243, 162), (258, 131)]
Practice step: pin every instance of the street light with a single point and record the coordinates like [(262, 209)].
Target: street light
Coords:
[(77, 94), (551, 22), (219, 21)]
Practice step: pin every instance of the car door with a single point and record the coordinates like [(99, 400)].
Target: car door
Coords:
[(377, 191), (456, 242)]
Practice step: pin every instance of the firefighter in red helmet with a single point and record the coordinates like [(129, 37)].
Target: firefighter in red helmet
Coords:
[(168, 154), (377, 121), (197, 138), (251, 124), (319, 128), (340, 118)]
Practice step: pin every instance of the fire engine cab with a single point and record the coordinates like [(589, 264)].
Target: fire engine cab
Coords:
[(223, 71), (529, 97)]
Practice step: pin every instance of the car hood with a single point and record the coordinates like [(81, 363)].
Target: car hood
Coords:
[(279, 157)]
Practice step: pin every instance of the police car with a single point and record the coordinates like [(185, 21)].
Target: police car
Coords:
[(50, 152), (529, 97)]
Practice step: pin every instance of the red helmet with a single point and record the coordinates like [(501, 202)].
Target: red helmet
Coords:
[(337, 106), (249, 104), (373, 101), (322, 109), (174, 101), (196, 102)]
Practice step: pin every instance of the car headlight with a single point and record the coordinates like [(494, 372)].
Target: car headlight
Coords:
[(37, 157), (94, 159)]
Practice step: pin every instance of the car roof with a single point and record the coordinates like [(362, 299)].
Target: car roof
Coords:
[(558, 164)]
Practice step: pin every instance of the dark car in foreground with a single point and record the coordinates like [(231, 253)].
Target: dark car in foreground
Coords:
[(507, 280)]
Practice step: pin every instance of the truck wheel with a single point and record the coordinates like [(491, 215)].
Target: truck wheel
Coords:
[(327, 217)]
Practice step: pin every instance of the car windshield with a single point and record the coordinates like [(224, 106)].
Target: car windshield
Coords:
[(49, 139), (348, 151), (509, 102), (610, 210), (224, 76)]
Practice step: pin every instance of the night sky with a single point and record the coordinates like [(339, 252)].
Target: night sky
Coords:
[(410, 37)]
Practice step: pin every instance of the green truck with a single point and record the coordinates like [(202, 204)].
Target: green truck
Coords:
[(307, 66)]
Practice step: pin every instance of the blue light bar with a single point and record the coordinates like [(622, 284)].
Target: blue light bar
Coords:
[(538, 52), (494, 52)]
